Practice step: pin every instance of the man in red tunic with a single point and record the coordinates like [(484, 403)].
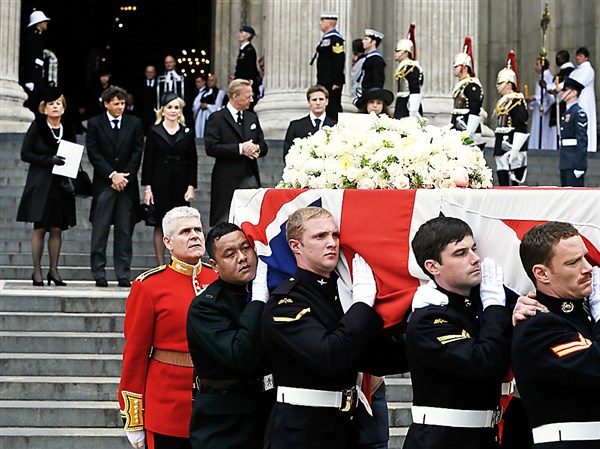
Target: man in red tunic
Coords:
[(155, 393)]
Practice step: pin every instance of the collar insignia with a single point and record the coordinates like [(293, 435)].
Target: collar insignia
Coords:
[(567, 307), (322, 282)]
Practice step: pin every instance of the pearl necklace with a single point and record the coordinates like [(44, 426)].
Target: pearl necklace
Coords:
[(60, 132)]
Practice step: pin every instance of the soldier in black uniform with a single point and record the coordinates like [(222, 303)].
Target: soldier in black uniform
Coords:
[(234, 391), (556, 355), (574, 136), (510, 148), (458, 352), (331, 58), (315, 349), (245, 65), (467, 95), (409, 76), (373, 66), (32, 77)]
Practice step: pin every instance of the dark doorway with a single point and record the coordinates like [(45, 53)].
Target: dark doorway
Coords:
[(121, 35)]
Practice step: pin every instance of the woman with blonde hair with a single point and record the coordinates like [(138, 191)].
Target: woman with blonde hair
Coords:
[(169, 170), (45, 200)]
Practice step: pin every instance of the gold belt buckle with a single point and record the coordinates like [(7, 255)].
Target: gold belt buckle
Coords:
[(348, 399)]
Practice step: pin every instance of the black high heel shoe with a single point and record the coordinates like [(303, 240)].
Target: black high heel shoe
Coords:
[(36, 283), (58, 282)]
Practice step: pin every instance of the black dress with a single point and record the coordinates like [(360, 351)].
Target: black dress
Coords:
[(44, 202), (170, 166)]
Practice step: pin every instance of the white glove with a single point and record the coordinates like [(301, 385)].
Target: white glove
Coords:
[(491, 288), (578, 173), (513, 156), (364, 288), (506, 146), (460, 124), (428, 295), (473, 123), (137, 438), (594, 299), (414, 102), (30, 86), (260, 291)]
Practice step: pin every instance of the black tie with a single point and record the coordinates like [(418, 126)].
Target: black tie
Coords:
[(317, 123), (239, 118), (115, 124)]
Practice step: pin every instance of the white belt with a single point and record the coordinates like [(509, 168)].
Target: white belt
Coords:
[(567, 431), (402, 94), (451, 417), (343, 400), (508, 388), (460, 111), (568, 142)]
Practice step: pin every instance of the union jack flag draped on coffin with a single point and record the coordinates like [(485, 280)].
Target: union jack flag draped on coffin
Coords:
[(380, 224)]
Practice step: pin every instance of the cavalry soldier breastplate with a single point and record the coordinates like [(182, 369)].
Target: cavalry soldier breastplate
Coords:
[(503, 108)]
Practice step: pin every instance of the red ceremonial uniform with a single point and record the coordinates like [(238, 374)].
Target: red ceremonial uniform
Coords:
[(155, 395)]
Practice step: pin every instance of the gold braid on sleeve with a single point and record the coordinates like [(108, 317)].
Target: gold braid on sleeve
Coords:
[(134, 411)]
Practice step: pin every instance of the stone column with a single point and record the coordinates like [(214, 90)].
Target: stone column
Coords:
[(14, 117), (291, 31), (441, 27)]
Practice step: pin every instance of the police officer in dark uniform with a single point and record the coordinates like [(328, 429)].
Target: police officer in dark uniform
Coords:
[(331, 57), (467, 95), (573, 136), (315, 348), (458, 352), (245, 65), (556, 355), (234, 389), (374, 65)]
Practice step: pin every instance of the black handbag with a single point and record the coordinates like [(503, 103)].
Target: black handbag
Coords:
[(83, 184), (149, 215)]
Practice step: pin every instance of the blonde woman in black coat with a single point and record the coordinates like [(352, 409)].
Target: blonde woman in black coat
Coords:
[(45, 202), (169, 170)]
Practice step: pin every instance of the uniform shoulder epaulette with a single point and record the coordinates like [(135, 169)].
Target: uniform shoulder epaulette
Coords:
[(285, 287), (153, 271)]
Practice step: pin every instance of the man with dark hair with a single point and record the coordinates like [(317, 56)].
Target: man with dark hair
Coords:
[(556, 355), (316, 349), (574, 138), (458, 347), (373, 67), (318, 98), (331, 57), (565, 67), (358, 59), (234, 390), (114, 144), (585, 75)]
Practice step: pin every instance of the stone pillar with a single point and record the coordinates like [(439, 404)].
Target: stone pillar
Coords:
[(14, 117), (440, 32), (291, 29)]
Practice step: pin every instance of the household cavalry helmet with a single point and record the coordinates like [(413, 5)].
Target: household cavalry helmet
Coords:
[(408, 44), (509, 73), (466, 56)]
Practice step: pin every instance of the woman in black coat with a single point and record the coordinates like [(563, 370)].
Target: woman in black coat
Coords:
[(169, 170), (45, 202)]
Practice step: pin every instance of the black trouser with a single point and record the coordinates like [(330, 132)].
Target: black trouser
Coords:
[(568, 179)]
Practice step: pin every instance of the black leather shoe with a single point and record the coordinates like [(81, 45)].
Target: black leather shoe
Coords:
[(124, 283), (101, 282)]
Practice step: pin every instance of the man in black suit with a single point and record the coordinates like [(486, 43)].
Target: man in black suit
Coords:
[(318, 99), (245, 65), (146, 98), (233, 136), (114, 143)]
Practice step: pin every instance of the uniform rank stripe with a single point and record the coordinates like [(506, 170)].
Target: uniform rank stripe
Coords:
[(565, 352), (582, 341), (285, 319)]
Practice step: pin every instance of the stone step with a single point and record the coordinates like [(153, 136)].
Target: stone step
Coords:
[(77, 297), (64, 322), (38, 364), (63, 388), (398, 389), (60, 413), (400, 414), (68, 273), (79, 259), (397, 436), (67, 342), (63, 438)]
